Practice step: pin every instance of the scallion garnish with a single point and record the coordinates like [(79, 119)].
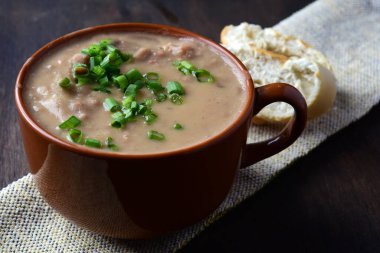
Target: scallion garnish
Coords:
[(155, 86), (70, 123), (118, 120), (161, 97), (174, 87), (152, 76), (121, 81), (75, 135), (93, 143), (131, 90), (177, 126), (110, 104), (133, 75), (187, 68), (109, 143), (65, 83), (154, 135), (176, 99), (128, 100), (203, 76), (80, 70), (104, 64), (150, 117), (101, 88), (148, 102)]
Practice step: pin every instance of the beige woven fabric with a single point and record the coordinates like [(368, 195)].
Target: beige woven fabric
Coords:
[(347, 31)]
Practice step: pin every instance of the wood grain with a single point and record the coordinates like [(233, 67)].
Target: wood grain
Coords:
[(328, 201)]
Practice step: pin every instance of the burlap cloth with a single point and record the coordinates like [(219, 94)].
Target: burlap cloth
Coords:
[(347, 31)]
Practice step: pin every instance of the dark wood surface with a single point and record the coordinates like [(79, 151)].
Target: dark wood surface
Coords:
[(328, 201)]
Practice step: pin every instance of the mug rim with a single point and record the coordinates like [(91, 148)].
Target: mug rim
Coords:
[(143, 27)]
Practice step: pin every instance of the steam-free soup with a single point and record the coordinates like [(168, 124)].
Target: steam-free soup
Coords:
[(183, 92)]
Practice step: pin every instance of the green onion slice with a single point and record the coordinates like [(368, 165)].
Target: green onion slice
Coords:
[(110, 104), (109, 143), (150, 117), (203, 76), (155, 86), (71, 122), (177, 126), (93, 143), (176, 99), (133, 75), (161, 97), (65, 83), (152, 76), (80, 70), (154, 135), (128, 100), (121, 81), (131, 90), (101, 88), (118, 120), (174, 87), (75, 135)]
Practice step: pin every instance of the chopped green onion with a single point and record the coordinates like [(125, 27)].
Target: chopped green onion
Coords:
[(134, 106), (148, 102), (127, 58), (104, 43), (150, 118), (131, 90), (174, 87), (112, 60), (98, 71), (155, 86), (128, 100), (139, 84), (118, 120), (79, 70), (110, 104), (121, 81), (142, 109), (203, 76), (177, 126), (133, 75), (185, 67), (83, 80), (101, 88), (93, 143), (75, 135), (154, 135), (152, 76), (109, 143), (71, 122), (111, 48), (129, 115), (104, 81), (65, 83), (176, 99), (161, 97), (92, 62)]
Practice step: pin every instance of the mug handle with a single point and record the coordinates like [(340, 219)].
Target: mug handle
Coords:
[(265, 95)]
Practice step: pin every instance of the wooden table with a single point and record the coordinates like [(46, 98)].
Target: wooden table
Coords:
[(328, 201)]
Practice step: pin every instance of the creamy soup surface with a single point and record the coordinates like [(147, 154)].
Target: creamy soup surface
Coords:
[(207, 108)]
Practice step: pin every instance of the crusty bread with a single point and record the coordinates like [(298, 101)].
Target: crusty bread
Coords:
[(272, 57)]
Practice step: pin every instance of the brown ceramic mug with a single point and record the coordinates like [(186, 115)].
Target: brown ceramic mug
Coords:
[(140, 196)]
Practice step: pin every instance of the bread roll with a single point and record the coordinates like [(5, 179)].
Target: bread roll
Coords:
[(272, 57)]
